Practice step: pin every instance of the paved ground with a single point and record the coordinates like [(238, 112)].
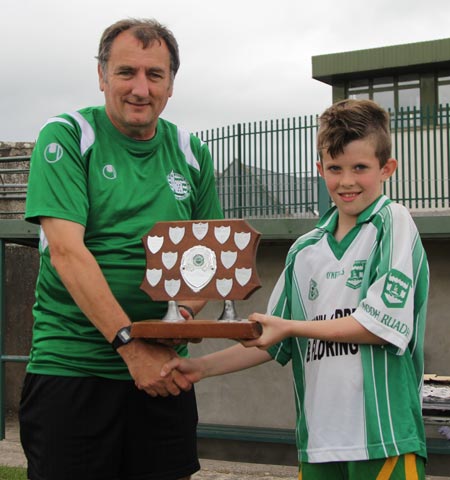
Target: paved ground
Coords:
[(11, 454)]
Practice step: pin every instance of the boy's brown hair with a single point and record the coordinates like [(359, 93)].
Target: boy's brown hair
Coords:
[(350, 120)]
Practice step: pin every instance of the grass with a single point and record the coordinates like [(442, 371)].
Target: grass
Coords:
[(13, 473)]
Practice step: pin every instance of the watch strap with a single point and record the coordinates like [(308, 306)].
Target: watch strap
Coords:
[(123, 337), (188, 309)]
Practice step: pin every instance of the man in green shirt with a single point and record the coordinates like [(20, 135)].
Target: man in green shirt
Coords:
[(99, 179)]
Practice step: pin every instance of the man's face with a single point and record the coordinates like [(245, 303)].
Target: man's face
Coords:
[(137, 85)]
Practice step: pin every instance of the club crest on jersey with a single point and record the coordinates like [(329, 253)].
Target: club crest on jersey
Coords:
[(396, 289), (356, 274), (313, 290), (179, 185)]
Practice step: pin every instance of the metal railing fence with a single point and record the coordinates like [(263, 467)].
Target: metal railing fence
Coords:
[(268, 169)]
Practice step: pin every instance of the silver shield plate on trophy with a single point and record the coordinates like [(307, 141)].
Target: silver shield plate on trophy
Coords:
[(222, 233), (200, 230), (242, 239), (153, 276), (176, 234), (228, 258), (155, 243), (198, 267), (169, 259), (172, 287), (224, 286), (243, 275)]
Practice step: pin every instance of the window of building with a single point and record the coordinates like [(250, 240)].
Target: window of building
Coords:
[(444, 88), (395, 93), (443, 93)]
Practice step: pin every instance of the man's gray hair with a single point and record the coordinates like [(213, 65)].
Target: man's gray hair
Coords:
[(146, 31)]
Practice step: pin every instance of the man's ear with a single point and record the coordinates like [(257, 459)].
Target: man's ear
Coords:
[(101, 80), (389, 168)]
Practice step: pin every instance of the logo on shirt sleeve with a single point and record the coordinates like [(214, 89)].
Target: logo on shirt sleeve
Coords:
[(396, 289), (179, 185), (53, 152)]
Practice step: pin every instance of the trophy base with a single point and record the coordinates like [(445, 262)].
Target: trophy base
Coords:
[(242, 330)]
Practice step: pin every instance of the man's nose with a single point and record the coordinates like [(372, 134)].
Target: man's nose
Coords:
[(140, 85)]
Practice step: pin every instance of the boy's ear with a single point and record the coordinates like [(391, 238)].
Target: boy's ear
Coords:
[(319, 167), (389, 168)]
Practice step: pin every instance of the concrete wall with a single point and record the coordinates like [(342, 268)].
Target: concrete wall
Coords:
[(21, 267), (258, 397)]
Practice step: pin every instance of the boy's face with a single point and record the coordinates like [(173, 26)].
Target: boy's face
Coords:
[(354, 179)]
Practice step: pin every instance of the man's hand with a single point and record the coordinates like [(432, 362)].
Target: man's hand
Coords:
[(173, 342), (144, 362)]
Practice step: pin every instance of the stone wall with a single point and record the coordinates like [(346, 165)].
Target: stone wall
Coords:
[(12, 199), (15, 149)]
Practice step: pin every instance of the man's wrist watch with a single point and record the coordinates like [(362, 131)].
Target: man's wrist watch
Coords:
[(123, 337)]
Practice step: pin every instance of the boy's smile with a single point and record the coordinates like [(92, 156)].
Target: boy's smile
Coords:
[(354, 179)]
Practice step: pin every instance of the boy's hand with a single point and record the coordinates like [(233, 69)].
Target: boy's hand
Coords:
[(189, 367), (275, 329)]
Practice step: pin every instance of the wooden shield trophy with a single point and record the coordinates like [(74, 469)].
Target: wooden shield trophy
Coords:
[(200, 260)]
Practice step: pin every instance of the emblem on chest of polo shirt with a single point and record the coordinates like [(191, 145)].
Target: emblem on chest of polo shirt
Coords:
[(356, 274), (396, 289), (109, 172), (179, 185)]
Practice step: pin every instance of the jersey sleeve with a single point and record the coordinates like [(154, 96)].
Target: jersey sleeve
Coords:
[(397, 276), (207, 204), (57, 184)]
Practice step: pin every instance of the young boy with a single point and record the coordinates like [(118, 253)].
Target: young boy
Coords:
[(349, 312)]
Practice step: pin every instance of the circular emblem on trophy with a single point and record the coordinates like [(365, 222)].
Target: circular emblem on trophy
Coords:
[(198, 267)]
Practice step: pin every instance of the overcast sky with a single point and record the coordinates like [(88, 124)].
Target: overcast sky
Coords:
[(241, 60)]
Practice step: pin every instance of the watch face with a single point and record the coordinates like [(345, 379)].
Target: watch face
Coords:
[(124, 335)]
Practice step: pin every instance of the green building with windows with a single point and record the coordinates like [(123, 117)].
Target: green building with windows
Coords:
[(397, 77)]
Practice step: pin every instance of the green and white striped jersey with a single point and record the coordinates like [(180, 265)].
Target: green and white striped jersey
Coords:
[(85, 171), (357, 402)]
